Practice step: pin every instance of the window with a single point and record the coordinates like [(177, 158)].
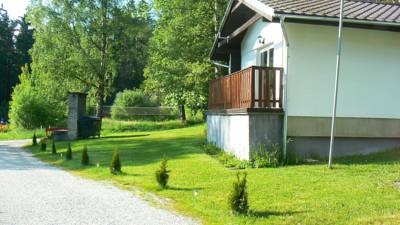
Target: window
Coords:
[(267, 58)]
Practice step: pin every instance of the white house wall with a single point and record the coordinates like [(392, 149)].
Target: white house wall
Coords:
[(272, 33), (230, 133), (370, 75)]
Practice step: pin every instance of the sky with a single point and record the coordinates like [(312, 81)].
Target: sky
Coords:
[(15, 8)]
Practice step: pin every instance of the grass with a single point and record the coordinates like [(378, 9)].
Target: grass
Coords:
[(110, 126), (359, 190), (15, 134)]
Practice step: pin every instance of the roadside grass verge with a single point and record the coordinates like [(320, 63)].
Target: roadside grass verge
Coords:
[(17, 134), (359, 190)]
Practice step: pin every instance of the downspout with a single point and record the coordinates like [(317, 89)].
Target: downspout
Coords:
[(285, 110)]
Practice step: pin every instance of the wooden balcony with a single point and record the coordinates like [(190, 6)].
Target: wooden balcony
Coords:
[(255, 88)]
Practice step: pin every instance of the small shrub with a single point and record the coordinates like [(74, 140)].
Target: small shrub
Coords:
[(116, 163), (85, 156), (238, 199), (68, 154), (43, 144), (267, 157), (211, 149), (34, 139), (162, 174), (53, 148)]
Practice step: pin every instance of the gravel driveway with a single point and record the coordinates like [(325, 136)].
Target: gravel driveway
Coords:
[(33, 193)]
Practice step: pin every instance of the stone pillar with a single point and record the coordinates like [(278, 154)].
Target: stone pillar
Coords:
[(76, 109)]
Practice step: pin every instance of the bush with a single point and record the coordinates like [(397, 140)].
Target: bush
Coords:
[(68, 154), (31, 108), (116, 163), (53, 148), (34, 139), (43, 144), (267, 156), (162, 174), (238, 199), (130, 98), (85, 156)]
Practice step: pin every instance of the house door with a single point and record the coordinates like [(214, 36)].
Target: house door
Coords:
[(266, 59)]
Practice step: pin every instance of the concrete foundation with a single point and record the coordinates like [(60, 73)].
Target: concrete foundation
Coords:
[(241, 132), (318, 147)]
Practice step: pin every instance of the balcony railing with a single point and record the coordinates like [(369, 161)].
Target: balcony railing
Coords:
[(251, 88)]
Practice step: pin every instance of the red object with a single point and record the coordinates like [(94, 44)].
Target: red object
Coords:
[(52, 129)]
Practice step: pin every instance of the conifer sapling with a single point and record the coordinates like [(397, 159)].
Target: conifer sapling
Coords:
[(115, 163), (238, 199), (43, 145), (68, 154), (34, 139), (85, 156), (162, 174), (53, 148)]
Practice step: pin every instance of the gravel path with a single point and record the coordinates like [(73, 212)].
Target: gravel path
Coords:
[(33, 193)]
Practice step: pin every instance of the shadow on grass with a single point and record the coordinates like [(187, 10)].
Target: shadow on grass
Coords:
[(266, 214), (123, 136), (184, 189)]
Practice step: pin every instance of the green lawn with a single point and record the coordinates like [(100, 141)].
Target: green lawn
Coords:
[(19, 134), (359, 190)]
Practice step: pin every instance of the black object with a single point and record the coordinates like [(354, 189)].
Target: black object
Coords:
[(89, 126)]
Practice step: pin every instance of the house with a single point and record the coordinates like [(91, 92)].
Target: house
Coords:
[(282, 56)]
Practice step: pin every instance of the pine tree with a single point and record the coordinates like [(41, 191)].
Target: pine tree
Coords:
[(34, 139), (85, 156), (116, 163), (43, 145), (68, 154), (238, 199), (162, 174), (53, 148)]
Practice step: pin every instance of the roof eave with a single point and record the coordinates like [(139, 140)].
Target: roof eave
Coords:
[(335, 19)]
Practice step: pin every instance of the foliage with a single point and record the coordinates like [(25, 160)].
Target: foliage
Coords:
[(238, 198), (43, 144), (162, 174), (263, 156), (116, 163), (53, 148), (84, 45), (225, 158), (110, 126), (31, 107), (178, 67), (130, 98), (212, 149), (68, 154), (15, 42), (34, 139), (85, 156)]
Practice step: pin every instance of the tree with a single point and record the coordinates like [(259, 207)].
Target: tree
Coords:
[(178, 66), (7, 55), (86, 41)]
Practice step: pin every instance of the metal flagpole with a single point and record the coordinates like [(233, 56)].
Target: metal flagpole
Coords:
[(338, 58)]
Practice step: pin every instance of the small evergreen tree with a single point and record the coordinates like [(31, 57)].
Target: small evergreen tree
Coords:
[(53, 148), (68, 154), (162, 174), (115, 163), (34, 139), (85, 156), (238, 199), (43, 145)]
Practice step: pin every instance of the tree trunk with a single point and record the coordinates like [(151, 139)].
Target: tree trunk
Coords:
[(183, 114), (100, 101)]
